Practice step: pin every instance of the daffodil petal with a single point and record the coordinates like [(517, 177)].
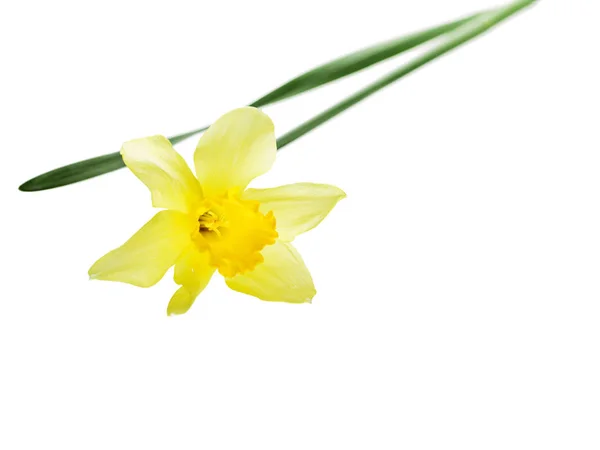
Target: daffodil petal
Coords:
[(144, 259), (282, 277), (237, 148), (192, 272), (156, 163), (297, 207)]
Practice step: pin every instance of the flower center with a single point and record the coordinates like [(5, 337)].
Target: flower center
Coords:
[(210, 222), (234, 232)]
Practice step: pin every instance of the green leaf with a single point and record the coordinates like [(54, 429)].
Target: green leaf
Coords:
[(357, 61), (319, 76)]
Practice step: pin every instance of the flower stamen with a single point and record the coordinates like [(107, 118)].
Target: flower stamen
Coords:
[(210, 222)]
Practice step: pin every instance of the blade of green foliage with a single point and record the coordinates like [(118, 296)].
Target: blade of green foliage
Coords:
[(452, 40), (319, 76)]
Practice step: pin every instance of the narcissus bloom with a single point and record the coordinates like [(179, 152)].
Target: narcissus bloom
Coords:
[(213, 223)]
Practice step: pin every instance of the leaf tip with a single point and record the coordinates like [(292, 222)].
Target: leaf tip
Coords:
[(28, 186)]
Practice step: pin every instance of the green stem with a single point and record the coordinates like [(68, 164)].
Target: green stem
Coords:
[(454, 39)]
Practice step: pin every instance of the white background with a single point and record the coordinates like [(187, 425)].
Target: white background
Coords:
[(458, 299)]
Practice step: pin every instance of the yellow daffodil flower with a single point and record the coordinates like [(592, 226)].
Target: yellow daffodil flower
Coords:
[(212, 222)]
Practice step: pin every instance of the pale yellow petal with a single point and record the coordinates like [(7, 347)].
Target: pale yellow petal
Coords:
[(144, 259), (237, 148), (297, 207), (156, 163), (282, 277), (193, 273)]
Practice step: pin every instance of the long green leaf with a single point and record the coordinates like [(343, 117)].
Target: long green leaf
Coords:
[(319, 76), (452, 40)]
